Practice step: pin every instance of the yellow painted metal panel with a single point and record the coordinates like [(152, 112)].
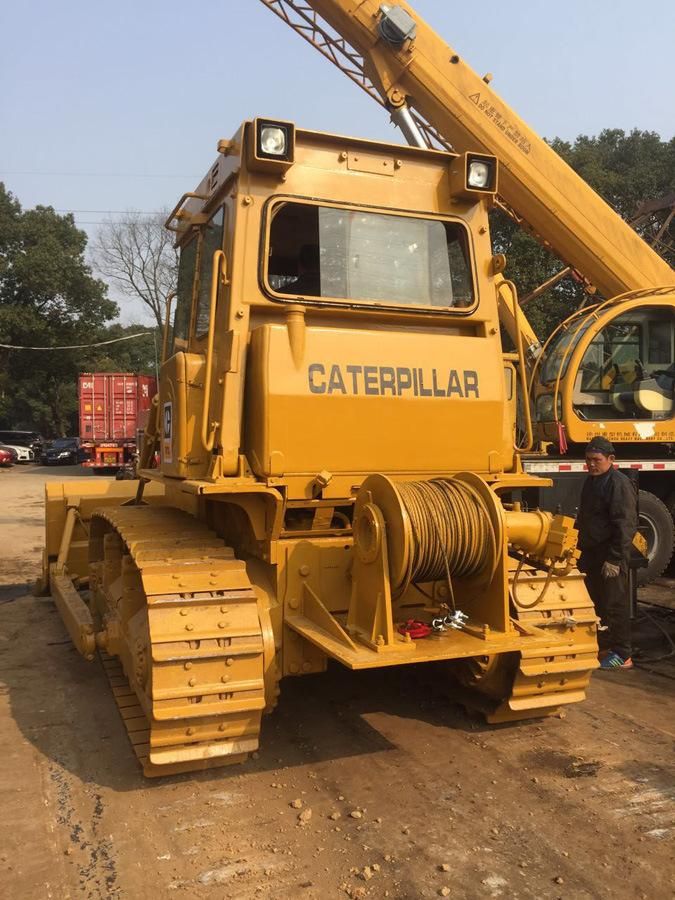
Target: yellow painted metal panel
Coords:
[(402, 400)]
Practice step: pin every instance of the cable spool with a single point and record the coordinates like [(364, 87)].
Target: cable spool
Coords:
[(451, 533), (435, 529)]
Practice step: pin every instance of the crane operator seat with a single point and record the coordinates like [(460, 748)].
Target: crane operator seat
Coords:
[(648, 397)]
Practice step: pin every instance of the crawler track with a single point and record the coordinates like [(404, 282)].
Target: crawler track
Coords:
[(559, 674), (188, 642)]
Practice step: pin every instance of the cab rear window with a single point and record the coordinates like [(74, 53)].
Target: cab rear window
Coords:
[(369, 257)]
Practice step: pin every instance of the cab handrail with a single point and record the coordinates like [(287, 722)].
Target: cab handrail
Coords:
[(218, 276), (188, 195)]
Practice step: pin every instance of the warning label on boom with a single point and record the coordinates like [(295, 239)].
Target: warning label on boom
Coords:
[(495, 116)]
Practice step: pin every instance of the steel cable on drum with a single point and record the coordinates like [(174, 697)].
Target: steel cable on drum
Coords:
[(451, 532)]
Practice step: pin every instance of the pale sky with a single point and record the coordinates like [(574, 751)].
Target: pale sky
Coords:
[(118, 106)]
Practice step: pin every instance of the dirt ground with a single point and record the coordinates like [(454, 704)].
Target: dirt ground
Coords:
[(404, 795)]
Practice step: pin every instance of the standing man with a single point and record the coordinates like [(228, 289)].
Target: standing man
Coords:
[(607, 522)]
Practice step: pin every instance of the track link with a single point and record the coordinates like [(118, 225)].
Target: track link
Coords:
[(186, 642), (558, 674)]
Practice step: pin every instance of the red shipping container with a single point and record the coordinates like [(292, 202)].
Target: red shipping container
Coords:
[(110, 404)]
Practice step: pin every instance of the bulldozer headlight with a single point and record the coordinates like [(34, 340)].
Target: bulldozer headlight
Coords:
[(473, 174), (270, 146), (479, 174), (273, 140)]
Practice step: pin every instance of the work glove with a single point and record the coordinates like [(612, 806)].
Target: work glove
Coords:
[(610, 570)]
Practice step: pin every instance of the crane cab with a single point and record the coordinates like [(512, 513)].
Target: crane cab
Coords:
[(610, 371)]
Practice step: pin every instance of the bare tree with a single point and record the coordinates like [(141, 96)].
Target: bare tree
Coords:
[(136, 255)]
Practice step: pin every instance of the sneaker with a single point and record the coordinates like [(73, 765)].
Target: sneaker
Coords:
[(614, 661)]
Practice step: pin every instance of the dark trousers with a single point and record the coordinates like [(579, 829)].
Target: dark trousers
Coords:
[(612, 604)]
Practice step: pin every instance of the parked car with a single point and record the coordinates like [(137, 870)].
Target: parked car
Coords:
[(13, 452), (32, 439), (6, 457), (22, 454), (62, 452)]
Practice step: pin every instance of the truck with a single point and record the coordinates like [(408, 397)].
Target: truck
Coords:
[(111, 407), (610, 368)]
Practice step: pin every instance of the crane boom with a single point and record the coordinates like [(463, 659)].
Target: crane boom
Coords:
[(453, 106)]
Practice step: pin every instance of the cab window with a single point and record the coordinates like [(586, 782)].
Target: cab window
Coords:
[(560, 351), (186, 273), (628, 369), (212, 240), (355, 255)]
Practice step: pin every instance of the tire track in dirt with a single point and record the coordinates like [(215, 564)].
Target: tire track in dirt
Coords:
[(97, 870)]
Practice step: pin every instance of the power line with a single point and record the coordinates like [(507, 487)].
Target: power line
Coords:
[(100, 174), (139, 212), (127, 337)]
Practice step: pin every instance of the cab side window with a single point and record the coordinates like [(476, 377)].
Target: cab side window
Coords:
[(628, 370), (212, 240), (186, 274)]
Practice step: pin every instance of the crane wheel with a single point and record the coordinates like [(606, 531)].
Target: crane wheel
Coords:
[(656, 523), (189, 649)]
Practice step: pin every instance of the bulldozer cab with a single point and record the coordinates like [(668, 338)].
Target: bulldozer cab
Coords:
[(338, 287), (611, 371)]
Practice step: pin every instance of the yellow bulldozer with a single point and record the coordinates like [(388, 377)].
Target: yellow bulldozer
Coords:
[(337, 479)]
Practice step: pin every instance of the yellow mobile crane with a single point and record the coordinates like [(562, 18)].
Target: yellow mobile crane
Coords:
[(337, 471), (610, 368)]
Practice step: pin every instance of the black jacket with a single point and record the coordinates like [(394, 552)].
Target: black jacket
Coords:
[(607, 518)]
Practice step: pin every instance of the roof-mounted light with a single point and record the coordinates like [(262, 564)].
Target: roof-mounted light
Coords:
[(273, 140), (478, 175), (271, 146), (472, 174)]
